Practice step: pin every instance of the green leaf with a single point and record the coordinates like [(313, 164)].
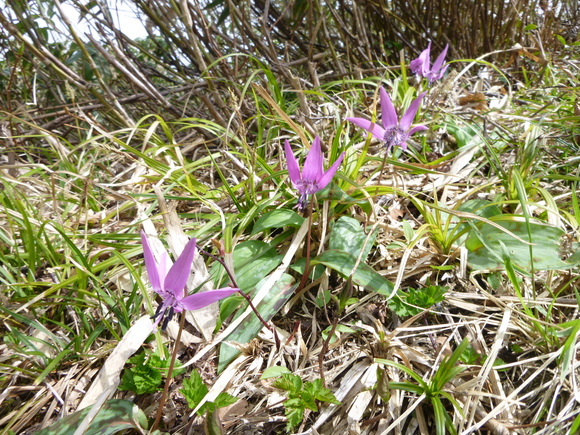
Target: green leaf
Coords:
[(194, 390), (364, 275), (319, 392), (485, 252), (568, 353), (288, 382), (253, 260), (143, 377), (249, 328), (115, 416), (278, 219), (224, 399), (405, 303), (294, 416), (274, 371), (348, 236)]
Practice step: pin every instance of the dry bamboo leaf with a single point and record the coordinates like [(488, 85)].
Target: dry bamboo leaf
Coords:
[(109, 375), (346, 385)]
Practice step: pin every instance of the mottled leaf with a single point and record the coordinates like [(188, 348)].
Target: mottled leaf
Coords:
[(364, 275), (115, 415), (249, 328), (349, 236), (278, 219)]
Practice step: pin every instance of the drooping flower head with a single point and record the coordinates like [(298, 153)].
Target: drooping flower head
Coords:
[(170, 280), (421, 65), (313, 178), (393, 132)]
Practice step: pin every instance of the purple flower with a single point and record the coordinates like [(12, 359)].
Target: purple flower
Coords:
[(312, 179), (169, 281), (421, 66), (392, 132)]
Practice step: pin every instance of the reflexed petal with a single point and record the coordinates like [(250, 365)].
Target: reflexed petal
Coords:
[(409, 115), (293, 168), (439, 62), (151, 264), (179, 273), (375, 129), (328, 175), (416, 129), (312, 169), (200, 300), (388, 112)]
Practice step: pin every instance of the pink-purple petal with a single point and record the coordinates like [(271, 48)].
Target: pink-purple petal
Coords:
[(200, 300), (374, 129), (312, 169), (329, 174), (409, 115), (388, 112), (151, 264), (293, 168), (416, 66), (421, 64), (416, 129), (178, 275), (439, 62)]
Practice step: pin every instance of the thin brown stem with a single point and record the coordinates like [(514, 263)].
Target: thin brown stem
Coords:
[(308, 240), (169, 373)]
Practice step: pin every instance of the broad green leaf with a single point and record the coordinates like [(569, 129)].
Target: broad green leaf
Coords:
[(348, 236), (278, 219), (253, 260), (364, 275), (485, 250), (249, 328), (115, 416)]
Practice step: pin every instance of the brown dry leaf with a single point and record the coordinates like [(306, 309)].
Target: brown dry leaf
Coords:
[(475, 101)]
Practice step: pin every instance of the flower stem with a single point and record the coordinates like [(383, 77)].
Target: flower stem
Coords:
[(169, 373), (308, 248)]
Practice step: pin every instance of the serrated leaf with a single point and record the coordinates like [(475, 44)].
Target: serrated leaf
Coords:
[(281, 291), (278, 219), (194, 390), (320, 392), (308, 400), (115, 416), (364, 275), (349, 236), (288, 382), (294, 416), (224, 399)]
